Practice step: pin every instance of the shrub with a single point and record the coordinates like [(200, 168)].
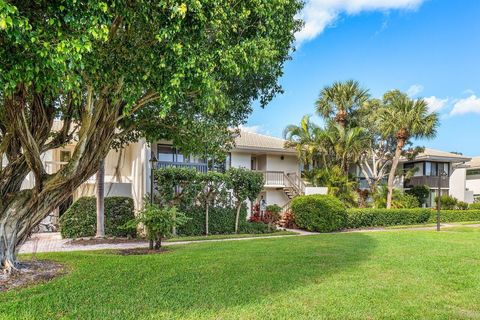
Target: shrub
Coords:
[(456, 215), (419, 192), (361, 218), (462, 205), (400, 200), (221, 221), (474, 206), (80, 220), (447, 202), (288, 220), (158, 222), (321, 213)]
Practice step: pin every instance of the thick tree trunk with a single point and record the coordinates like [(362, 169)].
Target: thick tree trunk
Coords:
[(101, 200), (393, 170), (237, 217), (19, 217)]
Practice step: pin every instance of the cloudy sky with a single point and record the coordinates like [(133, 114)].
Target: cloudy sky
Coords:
[(428, 48)]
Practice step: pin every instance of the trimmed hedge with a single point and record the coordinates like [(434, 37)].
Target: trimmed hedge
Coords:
[(456, 215), (361, 218), (220, 221), (320, 213), (80, 220), (474, 206)]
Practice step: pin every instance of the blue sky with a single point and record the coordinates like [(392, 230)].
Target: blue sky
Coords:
[(429, 48)]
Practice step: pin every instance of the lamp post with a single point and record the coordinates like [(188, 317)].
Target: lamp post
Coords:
[(441, 177), (153, 163)]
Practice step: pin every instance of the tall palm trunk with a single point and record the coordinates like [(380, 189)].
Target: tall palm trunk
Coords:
[(101, 200), (393, 170)]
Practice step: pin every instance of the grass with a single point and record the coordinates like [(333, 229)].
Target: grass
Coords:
[(373, 275), (231, 236), (409, 226)]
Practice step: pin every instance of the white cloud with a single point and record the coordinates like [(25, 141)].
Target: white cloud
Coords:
[(435, 104), (253, 129), (467, 105), (318, 14), (414, 90)]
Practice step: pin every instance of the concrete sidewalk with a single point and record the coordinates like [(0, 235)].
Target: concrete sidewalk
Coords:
[(53, 242)]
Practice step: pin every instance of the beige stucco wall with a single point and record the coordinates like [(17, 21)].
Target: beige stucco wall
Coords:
[(457, 184), (472, 183), (241, 160), (278, 197), (288, 164)]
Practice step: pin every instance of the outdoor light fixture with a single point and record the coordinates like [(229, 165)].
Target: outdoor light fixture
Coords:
[(441, 176)]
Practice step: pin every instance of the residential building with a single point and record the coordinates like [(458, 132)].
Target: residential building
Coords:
[(428, 168), (473, 179), (127, 171)]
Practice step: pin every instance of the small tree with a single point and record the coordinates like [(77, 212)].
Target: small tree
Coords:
[(177, 186), (159, 223), (245, 184), (420, 192), (212, 185)]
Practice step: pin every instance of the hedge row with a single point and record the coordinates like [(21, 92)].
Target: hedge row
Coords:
[(220, 221), (80, 220), (361, 218), (455, 215)]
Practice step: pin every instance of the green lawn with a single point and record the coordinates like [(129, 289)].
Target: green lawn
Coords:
[(231, 236), (372, 275)]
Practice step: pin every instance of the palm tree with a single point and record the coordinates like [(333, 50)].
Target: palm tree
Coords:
[(404, 118), (342, 100), (346, 144), (304, 138)]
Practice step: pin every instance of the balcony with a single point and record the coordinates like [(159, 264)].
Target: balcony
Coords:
[(430, 181), (200, 167)]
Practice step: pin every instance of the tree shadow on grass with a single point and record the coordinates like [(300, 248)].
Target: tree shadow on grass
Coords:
[(191, 281)]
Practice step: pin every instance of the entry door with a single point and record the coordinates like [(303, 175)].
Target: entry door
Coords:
[(253, 163)]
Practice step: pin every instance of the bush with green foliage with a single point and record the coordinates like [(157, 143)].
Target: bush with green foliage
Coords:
[(158, 222), (456, 215), (447, 202), (321, 213), (273, 213), (461, 205), (474, 206), (419, 192), (367, 217), (80, 219), (400, 200), (221, 221)]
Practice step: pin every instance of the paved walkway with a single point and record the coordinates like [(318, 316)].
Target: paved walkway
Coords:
[(53, 242)]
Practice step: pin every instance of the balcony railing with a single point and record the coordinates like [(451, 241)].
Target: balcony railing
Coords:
[(431, 181), (274, 178), (200, 167)]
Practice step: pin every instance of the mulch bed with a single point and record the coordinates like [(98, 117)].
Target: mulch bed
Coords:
[(91, 241), (139, 251), (31, 272)]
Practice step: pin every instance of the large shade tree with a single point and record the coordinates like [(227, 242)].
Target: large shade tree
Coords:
[(114, 71), (404, 118)]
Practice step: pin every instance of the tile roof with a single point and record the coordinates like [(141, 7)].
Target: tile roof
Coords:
[(474, 163), (432, 154), (255, 141)]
